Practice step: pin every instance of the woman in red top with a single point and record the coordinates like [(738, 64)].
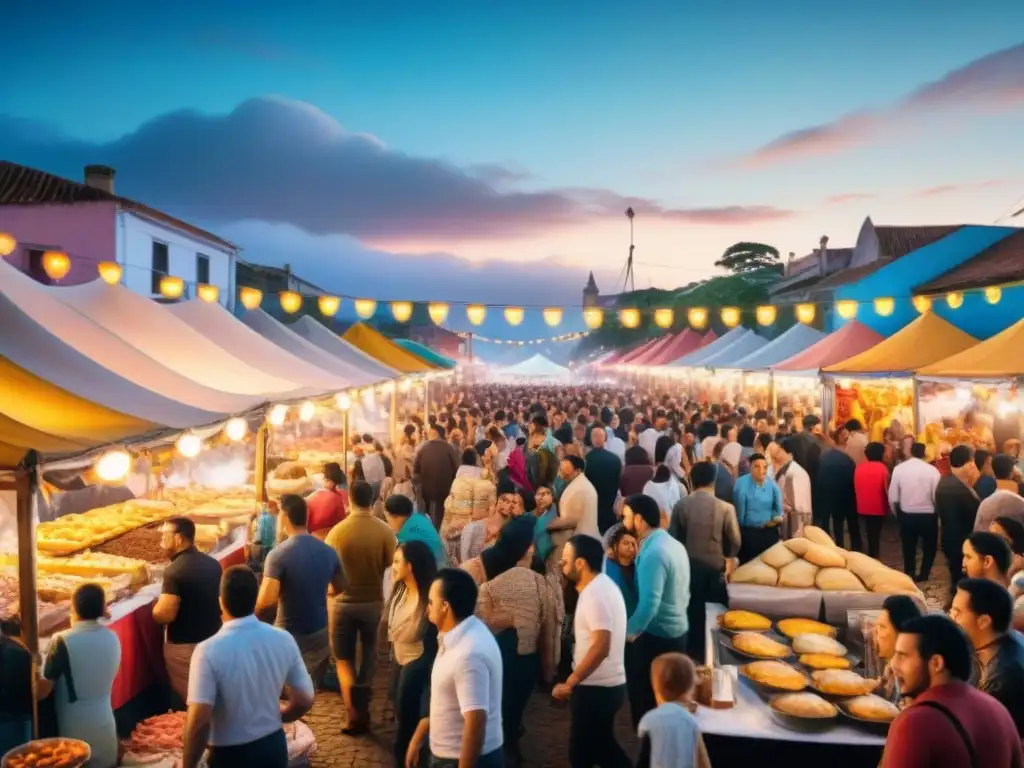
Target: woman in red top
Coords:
[(328, 506), (871, 484)]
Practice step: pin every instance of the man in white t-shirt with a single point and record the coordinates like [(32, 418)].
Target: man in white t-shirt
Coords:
[(596, 688)]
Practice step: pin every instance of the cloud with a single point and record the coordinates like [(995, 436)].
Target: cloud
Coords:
[(993, 82), (282, 161), (849, 197), (972, 186)]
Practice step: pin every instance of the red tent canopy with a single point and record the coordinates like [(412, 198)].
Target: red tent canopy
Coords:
[(621, 353), (683, 343), (637, 352)]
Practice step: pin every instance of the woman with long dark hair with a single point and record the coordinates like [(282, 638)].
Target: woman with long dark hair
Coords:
[(413, 638), (664, 488)]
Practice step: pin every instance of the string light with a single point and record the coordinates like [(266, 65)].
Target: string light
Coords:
[(277, 415), (697, 317), (113, 466), (291, 302), (56, 265), (514, 315), (730, 317), (593, 317), (189, 445), (236, 429), (251, 298), (993, 294), (922, 304), (846, 309), (805, 313), (307, 410), (884, 306), (630, 318), (110, 272), (172, 287), (553, 316), (328, 305), (438, 311), (343, 401), (955, 299), (208, 293), (401, 311), (365, 308), (476, 313), (663, 318), (766, 314), (7, 244)]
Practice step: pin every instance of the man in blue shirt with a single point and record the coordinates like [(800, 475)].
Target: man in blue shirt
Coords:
[(659, 623), (758, 502), (409, 525)]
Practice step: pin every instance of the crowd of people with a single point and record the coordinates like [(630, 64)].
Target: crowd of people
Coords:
[(568, 540)]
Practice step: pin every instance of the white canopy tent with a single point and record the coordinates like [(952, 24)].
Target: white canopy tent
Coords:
[(316, 333), (54, 342), (697, 357), (796, 339), (150, 328), (742, 347), (285, 338), (536, 369)]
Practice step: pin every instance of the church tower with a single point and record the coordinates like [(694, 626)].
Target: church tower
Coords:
[(591, 293)]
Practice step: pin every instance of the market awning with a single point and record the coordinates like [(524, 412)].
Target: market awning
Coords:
[(671, 348), (316, 333), (537, 367), (618, 354), (702, 353), (852, 339), (797, 338), (425, 353), (926, 340), (1000, 357), (740, 349), (630, 357), (386, 351)]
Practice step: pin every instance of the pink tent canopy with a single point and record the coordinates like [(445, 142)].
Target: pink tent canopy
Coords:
[(708, 338), (852, 339), (634, 354), (621, 353), (683, 343), (652, 352)]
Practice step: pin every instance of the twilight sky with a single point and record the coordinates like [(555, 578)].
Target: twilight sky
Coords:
[(487, 151)]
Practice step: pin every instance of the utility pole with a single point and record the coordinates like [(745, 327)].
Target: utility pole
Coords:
[(628, 281)]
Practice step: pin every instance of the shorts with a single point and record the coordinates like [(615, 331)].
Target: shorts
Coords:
[(354, 622)]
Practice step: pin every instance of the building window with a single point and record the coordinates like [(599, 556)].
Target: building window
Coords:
[(160, 266), (202, 268)]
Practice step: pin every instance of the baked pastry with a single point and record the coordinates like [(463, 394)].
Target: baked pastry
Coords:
[(800, 574), (824, 661), (807, 705), (757, 571), (818, 536), (842, 682), (795, 627), (778, 555), (745, 620), (838, 580), (872, 707), (776, 674), (813, 643), (756, 644)]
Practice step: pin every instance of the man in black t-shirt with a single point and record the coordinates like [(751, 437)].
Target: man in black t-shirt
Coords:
[(189, 603), (15, 688)]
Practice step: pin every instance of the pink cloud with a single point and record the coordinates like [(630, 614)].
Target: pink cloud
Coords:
[(849, 197), (993, 82), (972, 186)]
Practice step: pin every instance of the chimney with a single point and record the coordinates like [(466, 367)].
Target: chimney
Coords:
[(789, 264), (823, 256), (100, 177)]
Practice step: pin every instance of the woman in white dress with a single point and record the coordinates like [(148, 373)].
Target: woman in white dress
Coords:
[(79, 671)]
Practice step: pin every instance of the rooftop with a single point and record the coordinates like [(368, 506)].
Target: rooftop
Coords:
[(1002, 262)]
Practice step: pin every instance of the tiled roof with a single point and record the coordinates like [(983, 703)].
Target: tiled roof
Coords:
[(20, 185), (1002, 262)]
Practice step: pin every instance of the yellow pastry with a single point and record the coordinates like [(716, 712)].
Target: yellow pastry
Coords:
[(806, 705), (812, 643), (824, 661), (775, 674), (872, 707), (757, 644), (794, 627), (842, 682), (745, 620)]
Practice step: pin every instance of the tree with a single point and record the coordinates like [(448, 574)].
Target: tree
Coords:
[(746, 257)]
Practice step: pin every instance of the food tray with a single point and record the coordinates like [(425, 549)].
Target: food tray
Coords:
[(801, 724), (38, 744), (879, 727), (768, 691), (727, 642)]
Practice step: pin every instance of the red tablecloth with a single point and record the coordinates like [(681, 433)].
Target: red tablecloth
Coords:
[(142, 644)]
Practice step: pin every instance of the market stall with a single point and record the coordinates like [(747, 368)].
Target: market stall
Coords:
[(876, 388), (381, 348), (317, 333), (537, 369), (751, 376), (797, 379), (672, 347), (426, 354), (698, 368)]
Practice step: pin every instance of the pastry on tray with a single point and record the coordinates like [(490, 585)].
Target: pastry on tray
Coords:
[(824, 661), (872, 707), (756, 644), (806, 705), (739, 621), (842, 682), (775, 674), (793, 627), (812, 643)]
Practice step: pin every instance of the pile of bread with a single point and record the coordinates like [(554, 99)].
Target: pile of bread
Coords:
[(73, 533), (289, 477), (813, 561)]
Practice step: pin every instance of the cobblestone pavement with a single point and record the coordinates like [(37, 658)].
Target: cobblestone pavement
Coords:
[(547, 725)]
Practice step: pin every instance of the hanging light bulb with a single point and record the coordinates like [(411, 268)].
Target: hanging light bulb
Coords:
[(291, 302), (307, 411), (401, 311), (805, 313), (189, 445), (277, 415), (846, 309), (56, 264), (404, 385), (663, 318), (884, 306), (766, 314), (629, 317), (730, 317), (514, 315), (553, 316), (236, 428), (476, 313), (955, 299), (343, 401), (922, 304), (251, 298), (365, 308), (7, 244), (697, 317), (110, 272), (208, 293), (328, 305), (993, 294), (438, 311), (172, 287), (113, 466), (593, 317)]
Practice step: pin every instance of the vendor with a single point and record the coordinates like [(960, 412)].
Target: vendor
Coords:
[(758, 503), (897, 610), (189, 604)]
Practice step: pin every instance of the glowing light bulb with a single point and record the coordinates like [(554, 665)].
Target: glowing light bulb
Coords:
[(189, 445), (7, 244), (514, 315), (250, 297), (438, 311), (56, 264), (328, 305), (110, 272), (365, 308), (805, 313), (113, 466), (277, 415), (697, 317), (553, 316), (766, 314), (236, 428), (208, 293), (663, 318), (172, 287), (307, 411), (343, 401)]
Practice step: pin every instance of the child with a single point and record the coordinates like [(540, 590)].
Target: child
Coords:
[(670, 735)]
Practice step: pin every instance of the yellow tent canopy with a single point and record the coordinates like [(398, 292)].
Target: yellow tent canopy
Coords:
[(1000, 357), (381, 348), (927, 339), (37, 415)]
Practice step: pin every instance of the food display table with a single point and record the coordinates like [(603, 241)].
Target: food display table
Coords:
[(830, 607), (747, 729)]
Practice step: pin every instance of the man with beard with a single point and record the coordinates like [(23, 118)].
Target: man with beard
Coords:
[(596, 688), (949, 724)]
